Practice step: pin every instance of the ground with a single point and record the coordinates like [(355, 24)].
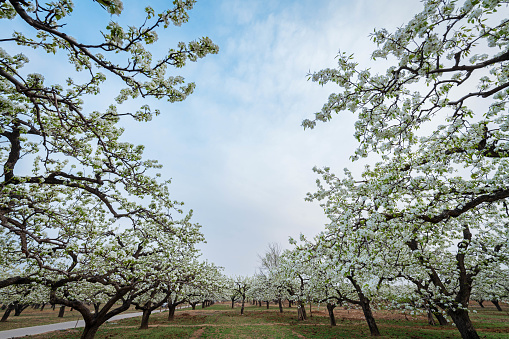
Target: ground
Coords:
[(220, 321)]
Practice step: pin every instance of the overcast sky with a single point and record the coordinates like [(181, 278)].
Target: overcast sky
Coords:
[(235, 149)]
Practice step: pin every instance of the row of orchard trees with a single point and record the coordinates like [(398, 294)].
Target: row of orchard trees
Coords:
[(431, 215), (427, 222), (83, 216), (354, 273)]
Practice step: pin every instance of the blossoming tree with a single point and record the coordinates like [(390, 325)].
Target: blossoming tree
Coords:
[(437, 120)]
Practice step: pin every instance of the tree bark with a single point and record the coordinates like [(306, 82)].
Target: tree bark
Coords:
[(144, 319), (233, 302), (431, 320), (43, 305), (90, 331), (480, 303), (463, 323), (267, 304), (368, 314), (242, 307), (441, 319), (61, 312), (497, 305), (280, 305), (330, 309), (171, 312), (7, 312), (301, 310), (366, 308)]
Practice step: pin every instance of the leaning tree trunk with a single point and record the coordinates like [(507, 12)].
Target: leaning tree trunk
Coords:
[(144, 319), (497, 305), (7, 312), (368, 314), (441, 319), (480, 303), (280, 305), (463, 323), (330, 309)]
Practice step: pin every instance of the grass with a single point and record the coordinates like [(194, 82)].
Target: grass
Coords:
[(220, 321), (33, 317)]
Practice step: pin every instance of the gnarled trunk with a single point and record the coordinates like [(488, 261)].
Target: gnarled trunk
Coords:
[(90, 331), (301, 310), (463, 323)]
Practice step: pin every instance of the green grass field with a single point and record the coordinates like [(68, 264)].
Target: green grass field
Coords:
[(220, 321)]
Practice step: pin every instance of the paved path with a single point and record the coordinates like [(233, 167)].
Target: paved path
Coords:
[(21, 332)]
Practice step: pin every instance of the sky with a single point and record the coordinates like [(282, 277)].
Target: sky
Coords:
[(235, 149)]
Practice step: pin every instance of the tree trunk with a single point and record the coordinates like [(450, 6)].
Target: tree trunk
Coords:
[(310, 311), (43, 305), (497, 305), (267, 304), (242, 308), (203, 304), (330, 309), (171, 312), (144, 319), (368, 314), (61, 312), (280, 305), (233, 302), (90, 331), (289, 303), (463, 323), (366, 308), (431, 320), (7, 312), (301, 310), (96, 307), (480, 303), (441, 319)]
